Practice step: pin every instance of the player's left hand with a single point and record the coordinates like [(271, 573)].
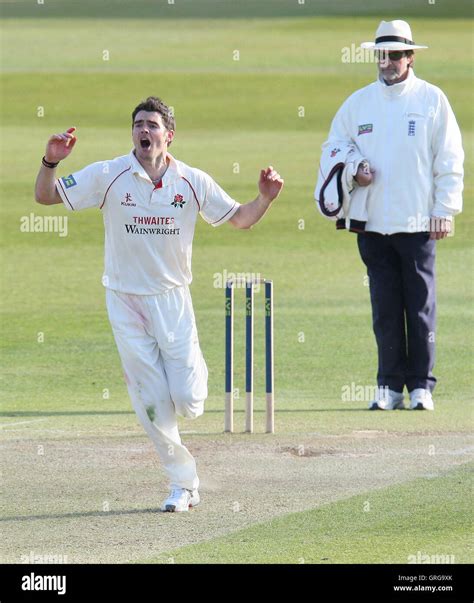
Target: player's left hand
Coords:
[(365, 174), (439, 228), (270, 183)]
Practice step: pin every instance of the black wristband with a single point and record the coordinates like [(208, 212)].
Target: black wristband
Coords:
[(49, 164)]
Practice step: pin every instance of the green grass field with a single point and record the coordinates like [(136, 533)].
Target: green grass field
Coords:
[(340, 532), (62, 382)]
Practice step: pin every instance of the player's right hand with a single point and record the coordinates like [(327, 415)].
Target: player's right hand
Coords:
[(60, 146)]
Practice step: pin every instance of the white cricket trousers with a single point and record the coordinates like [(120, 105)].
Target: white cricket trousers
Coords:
[(164, 368)]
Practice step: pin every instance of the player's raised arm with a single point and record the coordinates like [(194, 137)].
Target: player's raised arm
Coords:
[(269, 187), (59, 146)]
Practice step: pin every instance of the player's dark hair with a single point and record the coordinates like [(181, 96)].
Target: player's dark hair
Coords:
[(153, 103)]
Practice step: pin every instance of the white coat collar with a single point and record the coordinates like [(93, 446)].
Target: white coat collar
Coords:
[(397, 90)]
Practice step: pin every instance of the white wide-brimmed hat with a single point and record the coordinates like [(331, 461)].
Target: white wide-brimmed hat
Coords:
[(393, 35)]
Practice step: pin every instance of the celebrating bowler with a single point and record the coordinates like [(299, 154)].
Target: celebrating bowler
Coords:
[(150, 203)]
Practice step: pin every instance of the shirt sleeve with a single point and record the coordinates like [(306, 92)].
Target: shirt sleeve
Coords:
[(340, 127), (82, 189), (217, 206), (448, 158)]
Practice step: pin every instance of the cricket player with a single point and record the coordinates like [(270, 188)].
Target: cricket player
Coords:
[(406, 130), (150, 202)]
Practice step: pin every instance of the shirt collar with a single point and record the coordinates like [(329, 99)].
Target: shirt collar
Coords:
[(171, 174)]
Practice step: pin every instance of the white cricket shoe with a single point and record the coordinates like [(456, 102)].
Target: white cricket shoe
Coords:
[(420, 399), (387, 399), (180, 499)]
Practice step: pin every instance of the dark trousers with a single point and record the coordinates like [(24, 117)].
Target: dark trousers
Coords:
[(401, 270)]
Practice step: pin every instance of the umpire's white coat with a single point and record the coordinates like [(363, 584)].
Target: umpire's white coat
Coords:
[(409, 135)]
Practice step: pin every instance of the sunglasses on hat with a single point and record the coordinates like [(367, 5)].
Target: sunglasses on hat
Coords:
[(394, 55)]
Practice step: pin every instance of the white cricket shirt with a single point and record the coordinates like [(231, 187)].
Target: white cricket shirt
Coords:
[(148, 229)]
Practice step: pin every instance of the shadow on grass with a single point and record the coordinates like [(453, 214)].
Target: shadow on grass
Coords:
[(77, 515), (59, 413)]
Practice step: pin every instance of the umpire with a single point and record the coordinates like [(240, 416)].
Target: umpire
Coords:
[(406, 129)]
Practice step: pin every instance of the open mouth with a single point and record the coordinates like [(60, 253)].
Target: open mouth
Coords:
[(145, 143)]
